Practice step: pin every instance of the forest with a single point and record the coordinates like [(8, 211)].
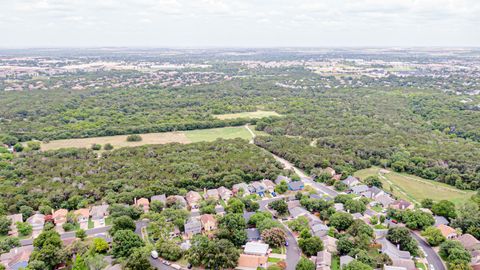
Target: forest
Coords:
[(426, 132), (71, 178)]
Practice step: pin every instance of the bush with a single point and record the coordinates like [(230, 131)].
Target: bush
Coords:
[(96, 147), (68, 226), (108, 146), (134, 138)]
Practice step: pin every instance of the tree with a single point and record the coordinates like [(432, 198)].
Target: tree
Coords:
[(26, 211), (156, 206), (48, 248), (8, 243), (122, 223), (169, 250), (100, 245), (268, 224), (134, 138), (340, 186), (79, 263), (275, 237), (250, 205), (345, 245), (298, 224), (355, 206), (235, 205), (434, 236), (305, 264), (444, 208), (81, 234), (124, 242), (259, 216), (24, 228), (280, 206), (108, 147), (95, 262), (341, 221), (453, 252), (402, 237), (281, 188), (232, 227), (427, 203), (36, 265), (310, 246), (357, 265), (467, 216), (213, 254), (18, 147), (373, 181), (5, 224), (138, 260), (96, 146)]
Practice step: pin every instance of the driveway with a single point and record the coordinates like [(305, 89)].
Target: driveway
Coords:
[(434, 261)]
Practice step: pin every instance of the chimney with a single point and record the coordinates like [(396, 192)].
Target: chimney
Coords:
[(135, 201)]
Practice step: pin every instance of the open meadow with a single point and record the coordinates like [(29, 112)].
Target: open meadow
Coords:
[(415, 189), (190, 136)]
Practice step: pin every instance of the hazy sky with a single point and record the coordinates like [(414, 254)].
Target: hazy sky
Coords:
[(239, 23)]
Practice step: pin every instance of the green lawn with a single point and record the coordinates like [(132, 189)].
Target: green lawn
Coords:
[(377, 208), (414, 188), (108, 221), (274, 260), (202, 135), (256, 114), (420, 266), (90, 224), (335, 262)]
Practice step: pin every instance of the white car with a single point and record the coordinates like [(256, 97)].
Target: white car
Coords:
[(154, 254)]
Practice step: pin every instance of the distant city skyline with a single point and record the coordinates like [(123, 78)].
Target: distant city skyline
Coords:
[(236, 23)]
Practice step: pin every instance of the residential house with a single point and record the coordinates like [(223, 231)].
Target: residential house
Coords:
[(319, 230), (209, 222), (293, 204), (281, 178), (241, 186), (391, 267), (98, 214), (225, 193), (392, 251), (161, 198), (351, 181), (211, 194), (186, 245), (323, 260), (440, 220), (469, 242), (330, 243), (380, 233), (447, 231), (369, 213), (143, 204), (60, 217), (252, 234), (385, 200), (13, 227), (256, 248), (269, 184), (407, 264), (219, 210), (193, 199), (373, 193), (176, 232), (358, 189), (339, 207), (357, 216), (192, 227), (37, 221), (259, 187), (16, 258), (329, 171), (345, 260), (82, 215), (402, 205), (296, 185), (247, 261), (248, 215), (177, 199), (297, 212)]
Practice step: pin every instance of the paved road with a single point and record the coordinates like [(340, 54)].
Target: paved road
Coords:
[(434, 261), (67, 235), (157, 263)]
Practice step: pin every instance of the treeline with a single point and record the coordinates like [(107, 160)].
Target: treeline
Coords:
[(71, 178)]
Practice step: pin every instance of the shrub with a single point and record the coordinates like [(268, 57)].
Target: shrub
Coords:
[(134, 138)]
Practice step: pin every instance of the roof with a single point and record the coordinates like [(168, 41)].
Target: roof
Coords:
[(385, 200), (143, 201), (247, 215), (324, 258), (36, 219), (359, 188), (60, 213), (255, 248), (99, 211), (207, 218), (268, 183), (84, 212), (402, 204), (344, 260), (223, 191), (293, 204), (468, 241), (15, 218), (281, 178), (405, 263), (440, 220), (375, 190), (446, 230), (193, 196), (319, 227), (392, 251), (370, 213), (338, 206), (219, 209), (211, 193), (253, 234), (298, 211), (357, 216), (296, 185), (161, 198), (238, 186), (251, 261), (350, 181), (192, 225)]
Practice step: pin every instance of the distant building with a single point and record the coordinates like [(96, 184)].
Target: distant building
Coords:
[(345, 260), (297, 212), (161, 198), (252, 234), (209, 222), (224, 193), (469, 242), (211, 194), (143, 204), (392, 251), (241, 186), (255, 248), (193, 199), (281, 178), (13, 227), (82, 215), (37, 221), (98, 214), (402, 205), (192, 227), (439, 220), (60, 216), (296, 185), (269, 184), (351, 181), (447, 231)]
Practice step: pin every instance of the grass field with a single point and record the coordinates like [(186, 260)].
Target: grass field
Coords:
[(415, 189), (256, 114), (153, 138)]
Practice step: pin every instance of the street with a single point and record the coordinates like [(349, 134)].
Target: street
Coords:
[(431, 256)]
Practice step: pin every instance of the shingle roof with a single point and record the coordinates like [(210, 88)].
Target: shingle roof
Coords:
[(256, 248), (392, 251), (298, 211)]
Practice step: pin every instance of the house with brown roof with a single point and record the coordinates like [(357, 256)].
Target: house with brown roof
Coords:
[(323, 260), (469, 242), (224, 193), (246, 261), (60, 216), (209, 223), (330, 243), (329, 171), (269, 184), (98, 214), (447, 231), (402, 205), (82, 216), (143, 203), (193, 199)]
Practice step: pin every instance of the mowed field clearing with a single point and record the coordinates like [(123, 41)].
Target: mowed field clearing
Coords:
[(119, 141), (256, 114), (414, 188)]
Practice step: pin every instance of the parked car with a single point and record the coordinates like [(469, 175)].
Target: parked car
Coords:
[(274, 194), (286, 243), (154, 254)]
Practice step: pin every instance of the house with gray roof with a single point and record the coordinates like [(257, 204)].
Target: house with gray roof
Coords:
[(281, 178), (259, 187), (219, 210), (339, 207), (211, 194), (253, 234), (161, 198), (248, 215), (192, 227), (296, 185), (385, 200), (323, 260), (98, 214), (392, 251), (351, 181), (344, 260), (439, 220), (241, 186), (297, 212), (358, 189), (320, 230)]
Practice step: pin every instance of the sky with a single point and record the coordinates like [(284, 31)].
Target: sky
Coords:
[(239, 23)]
